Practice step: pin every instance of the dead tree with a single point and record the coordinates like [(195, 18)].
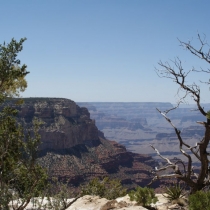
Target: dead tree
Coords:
[(176, 73)]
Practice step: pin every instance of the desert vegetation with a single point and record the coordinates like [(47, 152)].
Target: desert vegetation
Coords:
[(107, 188), (23, 180), (143, 196), (175, 72)]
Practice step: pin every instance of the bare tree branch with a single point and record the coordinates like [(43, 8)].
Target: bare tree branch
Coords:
[(198, 52), (175, 71), (179, 77), (166, 159)]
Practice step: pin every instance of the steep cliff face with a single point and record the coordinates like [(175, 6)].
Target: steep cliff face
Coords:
[(64, 123), (74, 149)]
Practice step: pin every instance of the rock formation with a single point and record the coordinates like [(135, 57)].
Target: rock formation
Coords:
[(88, 202), (74, 149), (137, 125)]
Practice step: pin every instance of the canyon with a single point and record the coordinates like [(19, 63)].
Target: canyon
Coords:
[(136, 125), (73, 149), (81, 141)]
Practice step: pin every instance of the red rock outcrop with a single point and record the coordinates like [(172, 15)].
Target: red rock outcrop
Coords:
[(74, 149), (65, 124)]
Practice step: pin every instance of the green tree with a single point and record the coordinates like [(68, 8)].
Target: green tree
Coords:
[(143, 196), (21, 178), (12, 75), (107, 188), (199, 200)]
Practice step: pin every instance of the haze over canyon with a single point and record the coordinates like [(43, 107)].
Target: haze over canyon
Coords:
[(100, 139), (136, 125)]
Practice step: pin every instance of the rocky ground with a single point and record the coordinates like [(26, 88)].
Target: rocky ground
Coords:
[(123, 203)]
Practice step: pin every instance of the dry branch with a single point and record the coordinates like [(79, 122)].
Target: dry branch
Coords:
[(176, 73)]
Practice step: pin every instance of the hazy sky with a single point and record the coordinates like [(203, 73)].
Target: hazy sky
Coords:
[(104, 50)]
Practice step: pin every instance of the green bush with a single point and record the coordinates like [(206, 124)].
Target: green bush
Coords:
[(56, 196), (105, 188), (143, 196), (199, 200), (174, 192)]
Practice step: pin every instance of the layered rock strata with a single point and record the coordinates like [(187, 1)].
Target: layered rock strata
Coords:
[(137, 125), (74, 149)]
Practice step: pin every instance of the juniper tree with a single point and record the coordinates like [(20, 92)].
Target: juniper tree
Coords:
[(21, 178)]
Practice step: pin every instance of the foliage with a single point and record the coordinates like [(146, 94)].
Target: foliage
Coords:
[(199, 200), (143, 196), (21, 178), (208, 115), (174, 192), (106, 188), (61, 194), (12, 75)]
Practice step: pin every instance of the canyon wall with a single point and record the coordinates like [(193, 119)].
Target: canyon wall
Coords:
[(74, 149), (137, 125)]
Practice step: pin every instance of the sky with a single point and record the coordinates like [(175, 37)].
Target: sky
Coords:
[(105, 50)]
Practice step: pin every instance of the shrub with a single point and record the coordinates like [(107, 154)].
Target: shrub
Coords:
[(114, 189), (60, 198), (56, 196), (199, 200), (174, 192), (143, 196), (106, 188)]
